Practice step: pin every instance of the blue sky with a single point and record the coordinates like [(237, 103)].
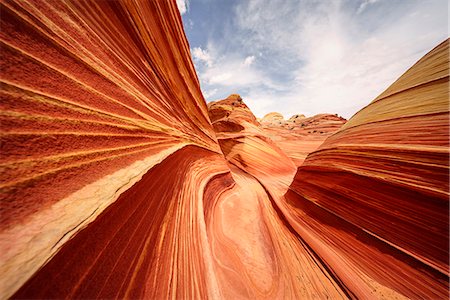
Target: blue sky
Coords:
[(305, 56)]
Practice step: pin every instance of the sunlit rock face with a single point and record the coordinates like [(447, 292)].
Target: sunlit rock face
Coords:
[(244, 143), (300, 135), (258, 254), (272, 117), (118, 181), (374, 198), (97, 96), (297, 118)]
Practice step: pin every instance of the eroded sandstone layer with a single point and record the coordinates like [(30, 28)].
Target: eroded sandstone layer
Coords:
[(260, 254), (118, 181), (94, 95), (374, 197), (299, 135)]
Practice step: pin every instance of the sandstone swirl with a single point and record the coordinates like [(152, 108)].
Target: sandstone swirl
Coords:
[(300, 135), (94, 95), (118, 181), (374, 197)]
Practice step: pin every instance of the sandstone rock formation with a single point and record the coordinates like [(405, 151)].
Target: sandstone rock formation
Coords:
[(118, 181), (299, 135), (374, 198), (97, 96), (297, 118), (243, 141), (272, 117), (259, 254)]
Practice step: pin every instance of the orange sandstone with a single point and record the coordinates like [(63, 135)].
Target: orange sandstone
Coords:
[(118, 181)]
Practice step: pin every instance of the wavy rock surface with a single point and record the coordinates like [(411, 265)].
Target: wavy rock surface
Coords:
[(260, 255), (374, 197), (118, 181), (90, 104), (299, 135), (243, 142)]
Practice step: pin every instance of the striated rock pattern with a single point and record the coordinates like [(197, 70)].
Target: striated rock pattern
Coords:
[(118, 181), (299, 135), (90, 103), (260, 254), (374, 197), (244, 143)]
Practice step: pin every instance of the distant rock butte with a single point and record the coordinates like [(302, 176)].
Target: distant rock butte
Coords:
[(272, 117), (297, 118), (300, 135), (119, 181)]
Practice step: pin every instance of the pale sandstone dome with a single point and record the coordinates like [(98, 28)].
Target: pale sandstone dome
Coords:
[(296, 118), (273, 116)]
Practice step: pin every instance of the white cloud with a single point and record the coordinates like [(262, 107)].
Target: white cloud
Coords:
[(201, 55), (220, 78), (190, 24), (183, 6), (209, 93), (316, 56), (259, 102), (249, 60), (226, 72), (230, 73), (364, 4), (339, 60)]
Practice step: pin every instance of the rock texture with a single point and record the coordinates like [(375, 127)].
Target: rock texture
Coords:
[(118, 181), (374, 197), (272, 117), (299, 135), (95, 94), (244, 143), (260, 254)]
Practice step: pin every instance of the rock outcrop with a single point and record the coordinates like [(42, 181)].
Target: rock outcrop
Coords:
[(272, 117), (300, 135), (260, 255), (244, 143), (297, 118), (374, 196), (101, 98), (118, 181)]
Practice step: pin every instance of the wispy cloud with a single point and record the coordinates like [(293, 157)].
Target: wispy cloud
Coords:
[(249, 60), (315, 56), (227, 72), (201, 55), (210, 93), (364, 4), (183, 6)]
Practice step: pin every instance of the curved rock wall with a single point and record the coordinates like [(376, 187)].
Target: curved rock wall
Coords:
[(259, 254), (118, 181), (89, 104), (383, 179)]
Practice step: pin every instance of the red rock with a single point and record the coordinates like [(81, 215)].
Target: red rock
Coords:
[(90, 103), (119, 181), (376, 192), (300, 136), (244, 143), (257, 253)]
